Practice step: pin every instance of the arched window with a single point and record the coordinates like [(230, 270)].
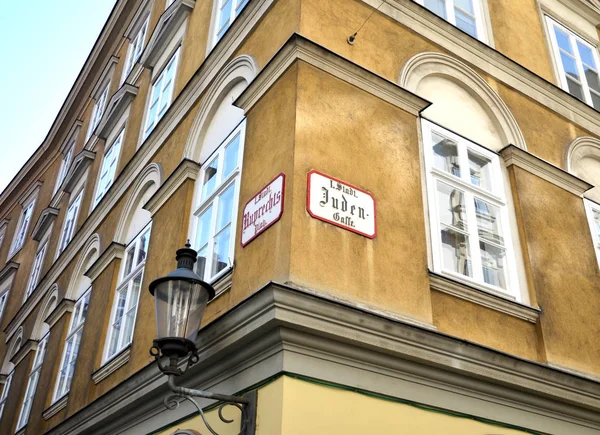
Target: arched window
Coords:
[(134, 231), (583, 160), (79, 290), (472, 225), (9, 367), (217, 143), (43, 335)]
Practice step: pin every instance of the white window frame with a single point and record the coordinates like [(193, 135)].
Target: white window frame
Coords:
[(151, 122), (98, 112), (573, 39), (71, 348), (131, 302), (34, 377), (36, 268), (68, 228), (65, 164), (212, 200), (136, 47), (168, 3), (103, 186), (479, 7), (591, 208), (2, 234), (219, 31), (23, 226), (497, 197), (5, 287), (5, 390)]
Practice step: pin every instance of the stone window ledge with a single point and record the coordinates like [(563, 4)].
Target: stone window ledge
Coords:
[(112, 365), (55, 407)]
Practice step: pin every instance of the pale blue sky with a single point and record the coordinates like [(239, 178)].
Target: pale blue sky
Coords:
[(43, 45)]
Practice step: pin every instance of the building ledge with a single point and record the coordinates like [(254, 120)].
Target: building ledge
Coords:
[(78, 168), (113, 251), (46, 218), (486, 299), (56, 407), (63, 307), (23, 351), (112, 365), (10, 268), (186, 170), (117, 105)]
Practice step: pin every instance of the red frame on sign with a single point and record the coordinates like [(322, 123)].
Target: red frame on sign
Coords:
[(281, 174), (369, 236)]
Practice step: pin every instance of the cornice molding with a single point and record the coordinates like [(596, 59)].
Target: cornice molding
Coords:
[(73, 131), (281, 329), (46, 218), (29, 192), (4, 223), (23, 351), (299, 48), (480, 297), (112, 366), (167, 25), (78, 168), (481, 56), (513, 155), (10, 268), (56, 407), (117, 105), (112, 252), (186, 170), (63, 307), (104, 75)]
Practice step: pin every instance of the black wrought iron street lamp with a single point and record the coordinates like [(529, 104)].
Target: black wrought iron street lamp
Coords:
[(181, 299)]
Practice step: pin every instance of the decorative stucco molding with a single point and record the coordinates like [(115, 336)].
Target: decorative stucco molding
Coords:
[(56, 407), (112, 252), (579, 148), (30, 192), (78, 168), (10, 268), (117, 105), (112, 366), (186, 170), (430, 63), (167, 26), (46, 218), (483, 298), (90, 249), (63, 307), (547, 171), (23, 351), (300, 48)]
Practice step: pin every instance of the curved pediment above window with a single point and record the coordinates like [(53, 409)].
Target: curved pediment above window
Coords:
[(583, 159), (46, 218), (10, 268), (166, 28), (78, 168), (117, 105)]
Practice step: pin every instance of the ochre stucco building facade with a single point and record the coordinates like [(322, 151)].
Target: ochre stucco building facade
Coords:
[(472, 308)]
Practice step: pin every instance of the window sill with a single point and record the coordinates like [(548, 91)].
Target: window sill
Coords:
[(21, 431), (56, 407), (484, 298), (223, 283), (112, 365)]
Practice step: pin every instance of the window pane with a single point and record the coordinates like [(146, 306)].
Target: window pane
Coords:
[(586, 55), (240, 6), (221, 251), (575, 89), (203, 230), (210, 178), (201, 262), (563, 40), (466, 5), (569, 66), (129, 260), (492, 263), (114, 338), (488, 221), (480, 170), (122, 295), (451, 206), (231, 156), (142, 248), (596, 101), (591, 77), (135, 291), (465, 22), (438, 7), (455, 252), (445, 155), (224, 18), (225, 208)]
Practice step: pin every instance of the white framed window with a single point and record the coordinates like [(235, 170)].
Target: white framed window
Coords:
[(5, 390), (36, 269), (109, 168), (124, 311), (468, 212), (577, 63), (22, 227), (3, 298), (136, 46), (71, 349), (593, 214), (98, 111), (161, 94), (34, 377), (65, 163), (227, 11), (467, 15), (2, 234), (70, 221), (216, 209)]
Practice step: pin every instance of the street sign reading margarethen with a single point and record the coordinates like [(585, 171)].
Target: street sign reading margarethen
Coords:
[(341, 204), (263, 210)]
